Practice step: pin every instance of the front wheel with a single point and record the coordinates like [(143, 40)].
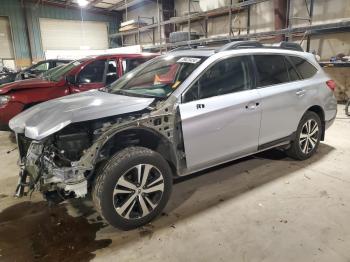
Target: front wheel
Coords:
[(308, 136), (132, 187)]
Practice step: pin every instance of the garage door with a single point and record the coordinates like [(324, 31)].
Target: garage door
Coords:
[(6, 47), (57, 34)]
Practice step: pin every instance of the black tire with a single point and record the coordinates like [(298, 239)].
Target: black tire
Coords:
[(295, 151), (347, 108), (108, 176), (12, 137)]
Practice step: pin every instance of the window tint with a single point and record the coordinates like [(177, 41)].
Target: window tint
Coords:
[(92, 73), (272, 69), (305, 69), (227, 76), (293, 75)]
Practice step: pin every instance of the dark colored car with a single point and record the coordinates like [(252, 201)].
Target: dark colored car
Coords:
[(81, 75), (7, 75), (33, 71)]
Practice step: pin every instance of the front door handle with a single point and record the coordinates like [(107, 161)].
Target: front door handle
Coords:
[(300, 92), (199, 106), (252, 106)]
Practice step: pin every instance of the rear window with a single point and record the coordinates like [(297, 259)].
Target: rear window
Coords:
[(305, 69), (272, 69)]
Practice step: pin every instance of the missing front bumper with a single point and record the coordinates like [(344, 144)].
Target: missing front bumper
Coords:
[(40, 172)]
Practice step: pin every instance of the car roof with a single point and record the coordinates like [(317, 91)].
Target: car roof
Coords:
[(207, 52), (130, 55), (203, 52)]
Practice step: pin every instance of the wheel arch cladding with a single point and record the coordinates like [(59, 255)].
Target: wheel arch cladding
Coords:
[(144, 137), (319, 111)]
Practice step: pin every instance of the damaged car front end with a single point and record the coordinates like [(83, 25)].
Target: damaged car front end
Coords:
[(61, 164), (64, 142), (46, 168)]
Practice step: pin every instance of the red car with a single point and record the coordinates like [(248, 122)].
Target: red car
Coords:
[(81, 75)]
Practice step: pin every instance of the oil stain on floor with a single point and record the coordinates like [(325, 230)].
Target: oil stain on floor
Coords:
[(32, 231)]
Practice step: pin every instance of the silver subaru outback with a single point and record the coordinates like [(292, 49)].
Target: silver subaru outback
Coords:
[(179, 113)]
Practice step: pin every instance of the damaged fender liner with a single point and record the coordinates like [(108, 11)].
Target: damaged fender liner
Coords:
[(47, 176)]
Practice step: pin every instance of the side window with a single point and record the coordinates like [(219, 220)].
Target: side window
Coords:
[(293, 75), (226, 76), (305, 69), (271, 69), (112, 74), (92, 73), (131, 63)]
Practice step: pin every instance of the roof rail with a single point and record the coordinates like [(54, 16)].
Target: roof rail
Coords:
[(289, 46), (240, 45), (188, 47)]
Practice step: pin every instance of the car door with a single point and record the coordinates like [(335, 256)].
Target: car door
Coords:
[(220, 114), (91, 76), (281, 93)]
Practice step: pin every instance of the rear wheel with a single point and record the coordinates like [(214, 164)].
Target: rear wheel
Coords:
[(307, 137), (132, 187)]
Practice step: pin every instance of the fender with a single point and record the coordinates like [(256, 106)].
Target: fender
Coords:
[(161, 125)]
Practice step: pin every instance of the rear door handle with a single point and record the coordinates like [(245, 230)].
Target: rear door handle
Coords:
[(300, 92)]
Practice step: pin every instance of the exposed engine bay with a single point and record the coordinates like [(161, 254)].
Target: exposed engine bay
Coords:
[(63, 164)]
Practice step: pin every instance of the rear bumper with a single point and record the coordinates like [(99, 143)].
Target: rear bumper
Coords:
[(330, 122)]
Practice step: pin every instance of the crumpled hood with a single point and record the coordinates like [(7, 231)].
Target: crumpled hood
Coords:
[(49, 117), (24, 84)]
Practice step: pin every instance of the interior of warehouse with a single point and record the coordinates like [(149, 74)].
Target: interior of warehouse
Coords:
[(174, 130)]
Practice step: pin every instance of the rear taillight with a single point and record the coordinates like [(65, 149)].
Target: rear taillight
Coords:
[(331, 84)]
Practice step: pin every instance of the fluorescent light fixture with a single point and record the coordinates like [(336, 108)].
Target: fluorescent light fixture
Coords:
[(82, 3)]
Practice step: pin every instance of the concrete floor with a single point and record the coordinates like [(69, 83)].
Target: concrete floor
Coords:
[(262, 208)]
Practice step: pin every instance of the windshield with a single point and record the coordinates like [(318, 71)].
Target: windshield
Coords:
[(158, 78), (56, 75), (51, 71)]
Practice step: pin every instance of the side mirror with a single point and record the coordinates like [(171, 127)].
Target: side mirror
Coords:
[(71, 79)]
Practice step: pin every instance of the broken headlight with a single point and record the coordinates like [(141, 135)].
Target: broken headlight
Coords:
[(4, 100), (36, 148)]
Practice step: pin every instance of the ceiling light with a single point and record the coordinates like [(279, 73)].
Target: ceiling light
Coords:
[(82, 3)]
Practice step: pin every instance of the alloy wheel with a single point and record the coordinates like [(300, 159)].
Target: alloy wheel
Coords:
[(138, 191), (308, 136)]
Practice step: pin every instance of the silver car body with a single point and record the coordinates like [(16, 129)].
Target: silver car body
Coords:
[(214, 130)]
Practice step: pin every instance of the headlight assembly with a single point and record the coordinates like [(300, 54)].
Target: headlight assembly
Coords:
[(4, 100)]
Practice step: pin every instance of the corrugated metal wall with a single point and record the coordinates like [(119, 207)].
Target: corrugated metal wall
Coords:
[(13, 9)]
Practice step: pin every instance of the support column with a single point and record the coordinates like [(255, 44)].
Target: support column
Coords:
[(280, 10)]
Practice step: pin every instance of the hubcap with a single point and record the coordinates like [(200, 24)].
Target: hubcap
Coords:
[(308, 136), (138, 191)]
